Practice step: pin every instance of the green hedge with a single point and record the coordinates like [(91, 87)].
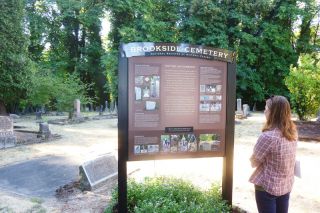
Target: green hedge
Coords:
[(167, 194)]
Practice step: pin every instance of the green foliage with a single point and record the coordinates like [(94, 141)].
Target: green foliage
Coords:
[(110, 61), (59, 92), (262, 33), (14, 62), (165, 194), (303, 83)]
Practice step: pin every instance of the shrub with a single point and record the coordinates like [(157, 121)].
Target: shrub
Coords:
[(303, 83), (167, 194)]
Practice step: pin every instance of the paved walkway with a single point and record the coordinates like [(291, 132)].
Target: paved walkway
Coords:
[(32, 173), (38, 177)]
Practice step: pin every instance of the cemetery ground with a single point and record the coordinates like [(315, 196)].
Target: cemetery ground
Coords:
[(38, 169)]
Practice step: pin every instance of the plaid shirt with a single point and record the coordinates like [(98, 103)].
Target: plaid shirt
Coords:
[(274, 156)]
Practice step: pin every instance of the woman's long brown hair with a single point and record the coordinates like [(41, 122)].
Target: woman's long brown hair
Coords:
[(280, 117)]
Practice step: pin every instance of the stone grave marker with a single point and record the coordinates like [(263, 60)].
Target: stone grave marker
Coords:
[(38, 115), (97, 172), (111, 106), (239, 109), (246, 110), (115, 109), (77, 108), (101, 110), (44, 131), (106, 109), (7, 138), (239, 112)]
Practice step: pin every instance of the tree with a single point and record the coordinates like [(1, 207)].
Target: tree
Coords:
[(14, 61), (303, 83), (48, 89)]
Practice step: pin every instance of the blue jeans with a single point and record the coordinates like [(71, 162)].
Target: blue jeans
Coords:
[(268, 203)]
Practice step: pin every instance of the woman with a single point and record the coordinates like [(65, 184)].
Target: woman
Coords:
[(274, 158)]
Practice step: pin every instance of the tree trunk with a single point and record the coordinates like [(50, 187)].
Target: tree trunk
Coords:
[(3, 110)]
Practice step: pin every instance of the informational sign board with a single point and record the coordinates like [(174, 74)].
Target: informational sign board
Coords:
[(177, 107), (175, 101)]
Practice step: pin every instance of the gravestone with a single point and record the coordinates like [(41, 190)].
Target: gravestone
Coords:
[(77, 108), (106, 109), (38, 115), (239, 109), (111, 106), (44, 131), (101, 110), (14, 116), (254, 108), (246, 110), (7, 138), (97, 172), (239, 112), (115, 109)]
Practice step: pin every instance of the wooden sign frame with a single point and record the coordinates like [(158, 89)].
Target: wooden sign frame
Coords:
[(148, 50)]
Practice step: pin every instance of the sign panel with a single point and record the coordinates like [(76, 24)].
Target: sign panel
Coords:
[(177, 107)]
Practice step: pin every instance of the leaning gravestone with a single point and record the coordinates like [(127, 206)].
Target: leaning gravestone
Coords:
[(97, 172), (7, 138)]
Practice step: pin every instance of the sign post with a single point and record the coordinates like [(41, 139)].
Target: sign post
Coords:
[(175, 101)]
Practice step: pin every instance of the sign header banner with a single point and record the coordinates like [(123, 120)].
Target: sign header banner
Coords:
[(172, 49)]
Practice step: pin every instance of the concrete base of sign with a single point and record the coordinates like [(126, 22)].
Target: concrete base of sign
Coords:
[(97, 172)]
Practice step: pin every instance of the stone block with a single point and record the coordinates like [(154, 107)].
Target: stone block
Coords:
[(10, 142), (97, 172)]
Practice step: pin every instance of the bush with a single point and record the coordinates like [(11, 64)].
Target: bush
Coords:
[(303, 83), (166, 194)]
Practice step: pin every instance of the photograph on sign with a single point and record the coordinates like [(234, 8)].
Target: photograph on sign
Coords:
[(177, 107)]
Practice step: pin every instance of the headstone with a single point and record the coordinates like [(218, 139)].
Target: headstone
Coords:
[(14, 116), (106, 109), (77, 108), (97, 172), (115, 109), (246, 110), (44, 131), (101, 110), (254, 108), (43, 109), (239, 105), (7, 138), (239, 112), (111, 106), (38, 115)]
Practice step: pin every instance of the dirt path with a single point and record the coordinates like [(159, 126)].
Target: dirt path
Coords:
[(84, 141)]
